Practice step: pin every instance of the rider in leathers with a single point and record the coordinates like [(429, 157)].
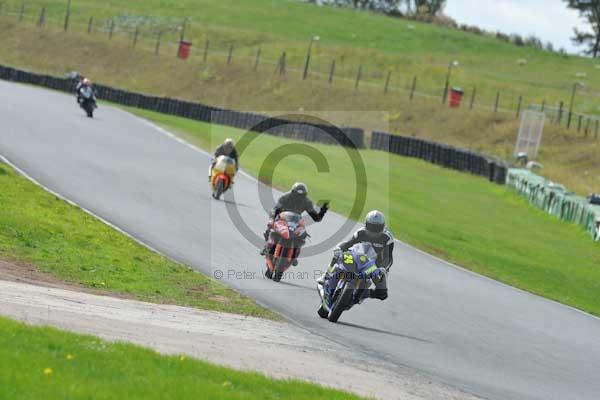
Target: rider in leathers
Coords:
[(382, 240), (296, 200)]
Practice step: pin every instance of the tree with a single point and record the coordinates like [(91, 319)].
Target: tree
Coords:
[(431, 7), (590, 11)]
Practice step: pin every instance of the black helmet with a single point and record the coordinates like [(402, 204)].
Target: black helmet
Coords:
[(299, 188), (375, 222)]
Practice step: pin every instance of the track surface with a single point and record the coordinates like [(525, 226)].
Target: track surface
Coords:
[(463, 329)]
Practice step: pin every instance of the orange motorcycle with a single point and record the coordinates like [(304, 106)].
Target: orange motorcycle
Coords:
[(221, 176), (287, 235)]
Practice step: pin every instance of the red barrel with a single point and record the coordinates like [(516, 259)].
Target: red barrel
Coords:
[(456, 95), (184, 50)]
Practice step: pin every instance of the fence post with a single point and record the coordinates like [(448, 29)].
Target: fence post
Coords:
[(473, 97), (282, 65), (111, 29), (257, 58), (560, 112), (331, 71), (306, 65), (519, 106), (135, 35), (387, 82), (596, 130), (358, 74), (67, 15), (229, 54), (205, 56), (158, 39), (183, 26), (414, 86), (21, 12), (497, 102), (543, 105), (587, 127), (42, 17), (579, 124), (90, 23)]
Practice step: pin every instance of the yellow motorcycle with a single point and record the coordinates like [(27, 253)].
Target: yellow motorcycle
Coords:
[(221, 176)]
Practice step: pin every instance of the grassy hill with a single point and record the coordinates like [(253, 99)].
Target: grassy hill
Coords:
[(378, 43)]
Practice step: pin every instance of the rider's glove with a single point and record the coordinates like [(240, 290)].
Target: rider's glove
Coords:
[(337, 252), (324, 209)]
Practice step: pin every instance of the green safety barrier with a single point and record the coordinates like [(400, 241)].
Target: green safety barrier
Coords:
[(556, 200)]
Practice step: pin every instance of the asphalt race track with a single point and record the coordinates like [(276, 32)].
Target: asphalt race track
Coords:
[(463, 329)]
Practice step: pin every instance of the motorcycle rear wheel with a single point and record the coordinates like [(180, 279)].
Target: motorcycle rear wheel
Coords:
[(219, 189)]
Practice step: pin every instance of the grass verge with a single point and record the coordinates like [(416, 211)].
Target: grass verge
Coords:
[(462, 218), (45, 363), (39, 229)]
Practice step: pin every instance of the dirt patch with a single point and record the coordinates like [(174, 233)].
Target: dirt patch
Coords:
[(27, 273)]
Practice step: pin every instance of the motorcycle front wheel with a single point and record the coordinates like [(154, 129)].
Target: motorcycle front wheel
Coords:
[(341, 303)]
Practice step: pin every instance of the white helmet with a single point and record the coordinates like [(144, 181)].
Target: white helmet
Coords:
[(300, 188)]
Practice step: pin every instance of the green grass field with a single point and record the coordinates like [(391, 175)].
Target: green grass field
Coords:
[(45, 363), (39, 229), (464, 219)]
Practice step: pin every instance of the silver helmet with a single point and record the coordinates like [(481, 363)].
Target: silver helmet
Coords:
[(299, 188), (375, 222)]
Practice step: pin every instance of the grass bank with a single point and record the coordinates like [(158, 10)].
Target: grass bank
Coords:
[(569, 157), (464, 219), (45, 363), (39, 229)]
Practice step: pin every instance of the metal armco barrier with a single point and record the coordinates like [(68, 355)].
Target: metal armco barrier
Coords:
[(441, 154), (493, 169), (555, 200)]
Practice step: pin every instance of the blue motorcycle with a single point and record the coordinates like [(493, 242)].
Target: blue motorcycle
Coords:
[(349, 282)]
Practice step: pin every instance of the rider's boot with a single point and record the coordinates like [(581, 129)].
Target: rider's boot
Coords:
[(380, 294)]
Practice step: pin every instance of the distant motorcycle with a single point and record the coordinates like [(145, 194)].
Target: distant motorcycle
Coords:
[(221, 177), (87, 100), (350, 282), (287, 236)]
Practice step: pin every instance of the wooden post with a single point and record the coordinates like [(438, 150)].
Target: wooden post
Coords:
[(257, 58), (473, 97), (543, 105), (111, 29), (42, 17), (135, 36), (571, 106), (183, 26), (331, 71), (282, 64), (579, 124), (306, 65), (158, 38), (560, 112), (90, 24), (497, 102), (358, 74), (587, 127), (67, 15), (596, 130), (414, 86), (21, 12), (519, 106), (387, 82), (229, 54), (205, 56)]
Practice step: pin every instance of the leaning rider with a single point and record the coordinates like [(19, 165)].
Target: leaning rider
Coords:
[(296, 200), (226, 149), (376, 233)]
